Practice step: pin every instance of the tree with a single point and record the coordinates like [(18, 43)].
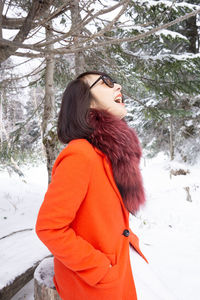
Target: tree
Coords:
[(49, 138), (11, 116), (84, 38), (142, 44), (41, 15), (161, 70), (35, 11)]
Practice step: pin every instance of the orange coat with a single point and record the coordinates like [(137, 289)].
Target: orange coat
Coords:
[(82, 221)]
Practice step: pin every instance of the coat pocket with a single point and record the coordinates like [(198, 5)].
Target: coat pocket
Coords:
[(113, 273), (112, 258)]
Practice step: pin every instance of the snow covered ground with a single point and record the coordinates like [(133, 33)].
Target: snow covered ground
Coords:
[(168, 226)]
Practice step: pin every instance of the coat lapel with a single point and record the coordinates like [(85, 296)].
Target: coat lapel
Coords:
[(108, 170)]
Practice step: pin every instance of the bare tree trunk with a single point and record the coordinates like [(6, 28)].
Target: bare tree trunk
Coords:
[(1, 124), (49, 139), (192, 34), (171, 130), (3, 127), (171, 139), (37, 113), (1, 17), (75, 19)]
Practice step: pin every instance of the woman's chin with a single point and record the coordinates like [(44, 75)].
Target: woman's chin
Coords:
[(119, 113), (122, 112)]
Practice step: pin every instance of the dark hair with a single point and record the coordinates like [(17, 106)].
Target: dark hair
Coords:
[(75, 106)]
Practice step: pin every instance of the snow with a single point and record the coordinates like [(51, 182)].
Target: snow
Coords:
[(168, 226), (189, 123), (20, 201), (18, 253), (165, 32), (178, 57), (148, 289), (44, 273), (21, 198), (169, 4), (171, 33)]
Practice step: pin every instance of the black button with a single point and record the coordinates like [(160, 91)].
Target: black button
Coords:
[(126, 232)]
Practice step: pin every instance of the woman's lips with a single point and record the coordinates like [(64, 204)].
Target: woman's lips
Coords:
[(118, 99)]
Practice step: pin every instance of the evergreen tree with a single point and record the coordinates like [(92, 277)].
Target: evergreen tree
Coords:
[(160, 74)]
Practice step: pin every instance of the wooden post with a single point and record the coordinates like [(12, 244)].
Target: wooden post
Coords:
[(44, 288)]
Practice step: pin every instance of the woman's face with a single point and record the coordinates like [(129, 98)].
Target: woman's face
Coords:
[(105, 97)]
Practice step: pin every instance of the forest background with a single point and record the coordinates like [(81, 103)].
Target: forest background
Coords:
[(150, 47)]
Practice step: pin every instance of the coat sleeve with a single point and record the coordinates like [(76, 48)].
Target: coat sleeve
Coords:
[(62, 200)]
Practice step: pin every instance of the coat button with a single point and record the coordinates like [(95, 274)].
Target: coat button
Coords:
[(126, 232)]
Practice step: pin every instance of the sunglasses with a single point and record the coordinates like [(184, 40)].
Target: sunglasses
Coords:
[(106, 79)]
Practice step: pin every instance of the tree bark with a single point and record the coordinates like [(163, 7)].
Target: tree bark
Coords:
[(41, 292), (1, 124), (192, 34), (171, 139), (49, 138), (44, 288), (1, 18), (79, 60), (36, 105), (12, 23)]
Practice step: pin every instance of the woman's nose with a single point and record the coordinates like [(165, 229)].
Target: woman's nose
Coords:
[(117, 87)]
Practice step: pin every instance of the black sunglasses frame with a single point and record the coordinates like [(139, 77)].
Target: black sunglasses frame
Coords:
[(104, 78)]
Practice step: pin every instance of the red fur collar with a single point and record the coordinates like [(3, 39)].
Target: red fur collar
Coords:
[(120, 144)]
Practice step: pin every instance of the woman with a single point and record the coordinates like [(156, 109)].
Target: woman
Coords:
[(96, 182)]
